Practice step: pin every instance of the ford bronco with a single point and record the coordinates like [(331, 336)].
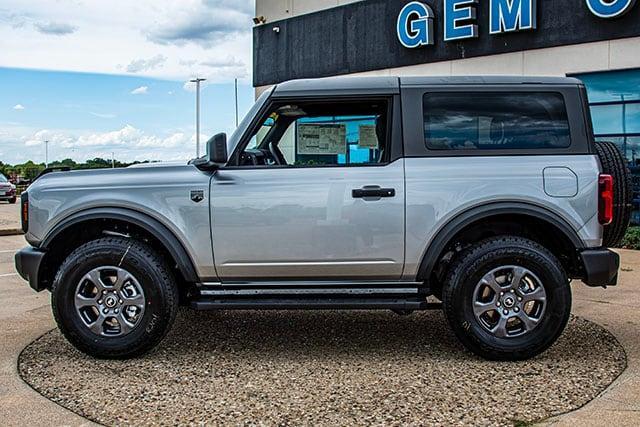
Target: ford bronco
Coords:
[(488, 194)]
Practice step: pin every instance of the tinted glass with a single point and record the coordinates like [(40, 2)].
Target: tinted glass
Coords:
[(614, 86), (495, 121)]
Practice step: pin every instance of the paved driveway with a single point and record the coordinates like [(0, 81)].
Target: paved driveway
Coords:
[(9, 215)]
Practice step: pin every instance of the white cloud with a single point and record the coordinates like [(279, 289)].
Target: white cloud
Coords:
[(128, 143), (55, 28), (139, 65), (142, 90), (188, 34), (18, 107), (103, 115)]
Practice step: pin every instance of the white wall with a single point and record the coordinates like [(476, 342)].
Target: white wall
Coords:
[(274, 10)]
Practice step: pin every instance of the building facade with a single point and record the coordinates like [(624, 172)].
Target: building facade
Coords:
[(597, 41)]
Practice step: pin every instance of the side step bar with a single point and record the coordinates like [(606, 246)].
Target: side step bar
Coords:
[(312, 304), (312, 295)]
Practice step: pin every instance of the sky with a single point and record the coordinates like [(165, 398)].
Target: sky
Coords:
[(98, 77)]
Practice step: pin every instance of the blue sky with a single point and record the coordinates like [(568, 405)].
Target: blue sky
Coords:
[(93, 81)]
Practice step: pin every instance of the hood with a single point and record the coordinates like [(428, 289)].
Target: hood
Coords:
[(158, 164), (140, 175)]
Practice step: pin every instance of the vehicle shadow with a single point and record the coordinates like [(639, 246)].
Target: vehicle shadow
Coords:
[(314, 333)]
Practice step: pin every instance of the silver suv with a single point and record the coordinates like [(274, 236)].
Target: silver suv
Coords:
[(487, 193)]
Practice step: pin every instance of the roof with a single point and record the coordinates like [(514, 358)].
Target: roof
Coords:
[(391, 84)]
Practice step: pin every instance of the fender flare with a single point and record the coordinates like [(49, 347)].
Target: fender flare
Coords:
[(462, 220), (144, 221)]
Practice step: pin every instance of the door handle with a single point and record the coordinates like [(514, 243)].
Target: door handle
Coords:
[(372, 191)]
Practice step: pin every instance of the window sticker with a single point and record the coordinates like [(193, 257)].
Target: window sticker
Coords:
[(367, 137), (324, 139)]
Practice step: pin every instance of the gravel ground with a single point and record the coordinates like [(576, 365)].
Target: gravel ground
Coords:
[(322, 368)]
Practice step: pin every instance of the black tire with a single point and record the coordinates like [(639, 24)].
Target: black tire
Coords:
[(150, 270), (471, 267), (12, 201), (614, 164)]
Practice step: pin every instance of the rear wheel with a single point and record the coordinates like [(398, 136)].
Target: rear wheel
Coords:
[(614, 164), (114, 298), (507, 298)]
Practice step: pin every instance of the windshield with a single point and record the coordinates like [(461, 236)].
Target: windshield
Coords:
[(3, 178), (232, 141)]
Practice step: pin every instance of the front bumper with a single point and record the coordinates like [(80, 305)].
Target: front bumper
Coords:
[(28, 262), (600, 266)]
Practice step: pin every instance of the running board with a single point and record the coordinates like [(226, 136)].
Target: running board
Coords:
[(311, 304), (312, 295)]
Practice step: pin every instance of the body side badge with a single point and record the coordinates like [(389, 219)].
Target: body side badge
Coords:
[(197, 195)]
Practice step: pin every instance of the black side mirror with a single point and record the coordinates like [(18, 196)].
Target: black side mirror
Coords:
[(217, 149)]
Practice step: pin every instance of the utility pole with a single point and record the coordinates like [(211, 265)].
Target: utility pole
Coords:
[(113, 160), (197, 81), (46, 154), (236, 87)]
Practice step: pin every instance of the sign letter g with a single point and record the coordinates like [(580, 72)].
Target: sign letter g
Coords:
[(415, 25)]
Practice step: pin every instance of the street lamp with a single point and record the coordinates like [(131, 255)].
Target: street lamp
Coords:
[(46, 154), (197, 81)]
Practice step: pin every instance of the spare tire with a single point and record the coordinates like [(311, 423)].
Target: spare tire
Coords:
[(614, 164)]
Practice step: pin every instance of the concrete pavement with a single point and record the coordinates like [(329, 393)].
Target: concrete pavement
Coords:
[(9, 218), (26, 315), (618, 310)]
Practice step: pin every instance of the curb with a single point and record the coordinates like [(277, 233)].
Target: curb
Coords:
[(11, 232)]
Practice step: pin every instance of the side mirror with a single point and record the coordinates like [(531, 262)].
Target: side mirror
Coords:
[(217, 149)]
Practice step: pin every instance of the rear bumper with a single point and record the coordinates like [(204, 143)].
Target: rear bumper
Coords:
[(600, 266), (28, 261)]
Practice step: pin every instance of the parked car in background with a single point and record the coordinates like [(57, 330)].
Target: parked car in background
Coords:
[(7, 190)]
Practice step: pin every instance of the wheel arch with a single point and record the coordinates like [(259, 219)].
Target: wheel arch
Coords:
[(151, 226), (476, 215)]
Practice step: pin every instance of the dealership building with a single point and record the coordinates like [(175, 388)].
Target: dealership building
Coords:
[(597, 41)]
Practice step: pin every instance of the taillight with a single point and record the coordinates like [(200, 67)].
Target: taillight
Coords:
[(605, 199), (24, 211)]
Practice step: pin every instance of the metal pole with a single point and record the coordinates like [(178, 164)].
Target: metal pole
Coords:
[(113, 160), (197, 81), (46, 154), (236, 87)]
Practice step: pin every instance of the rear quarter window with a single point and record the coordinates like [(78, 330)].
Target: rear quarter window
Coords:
[(495, 121)]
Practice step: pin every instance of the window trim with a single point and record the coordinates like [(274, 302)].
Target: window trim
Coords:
[(393, 131)]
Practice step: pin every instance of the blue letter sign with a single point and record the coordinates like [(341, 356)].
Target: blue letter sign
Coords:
[(415, 25), (610, 8), (459, 10), (511, 15)]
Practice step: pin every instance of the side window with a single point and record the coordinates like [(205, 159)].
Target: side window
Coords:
[(495, 121), (320, 134)]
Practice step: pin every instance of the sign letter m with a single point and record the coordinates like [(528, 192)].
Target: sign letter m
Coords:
[(512, 15)]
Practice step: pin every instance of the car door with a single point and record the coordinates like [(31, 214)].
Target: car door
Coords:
[(331, 212)]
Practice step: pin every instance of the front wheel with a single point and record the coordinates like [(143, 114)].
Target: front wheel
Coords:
[(114, 298), (12, 201), (507, 298)]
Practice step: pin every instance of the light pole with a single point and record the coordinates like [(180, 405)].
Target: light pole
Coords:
[(236, 88), (46, 154), (197, 81)]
